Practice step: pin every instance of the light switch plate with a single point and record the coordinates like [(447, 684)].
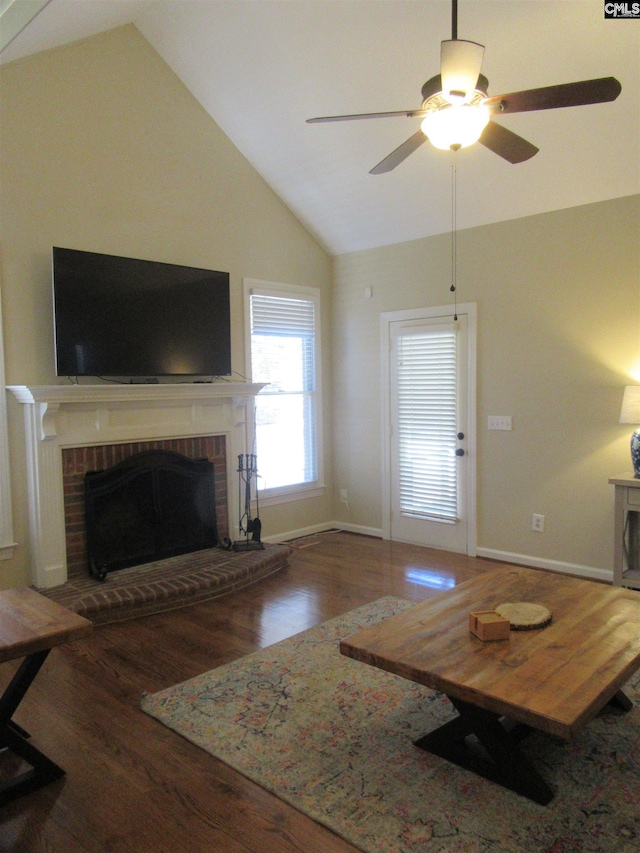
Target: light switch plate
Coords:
[(500, 422)]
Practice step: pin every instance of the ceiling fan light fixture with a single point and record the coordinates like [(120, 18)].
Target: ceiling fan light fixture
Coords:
[(454, 126), (457, 109)]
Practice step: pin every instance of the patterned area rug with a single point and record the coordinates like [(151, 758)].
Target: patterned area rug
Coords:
[(334, 738)]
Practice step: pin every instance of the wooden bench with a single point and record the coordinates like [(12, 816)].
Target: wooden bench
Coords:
[(30, 626)]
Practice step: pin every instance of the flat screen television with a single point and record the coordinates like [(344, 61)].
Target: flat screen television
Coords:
[(124, 317)]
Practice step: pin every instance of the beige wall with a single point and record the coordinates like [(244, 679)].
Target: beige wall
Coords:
[(558, 300), (104, 149)]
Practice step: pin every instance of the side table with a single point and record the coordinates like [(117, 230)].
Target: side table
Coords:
[(30, 626), (626, 559)]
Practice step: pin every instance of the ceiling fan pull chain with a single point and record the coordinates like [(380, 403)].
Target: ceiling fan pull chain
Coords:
[(454, 235)]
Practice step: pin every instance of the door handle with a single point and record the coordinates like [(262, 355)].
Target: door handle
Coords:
[(459, 452), (460, 436)]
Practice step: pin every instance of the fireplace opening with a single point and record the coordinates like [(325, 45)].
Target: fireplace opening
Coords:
[(152, 505)]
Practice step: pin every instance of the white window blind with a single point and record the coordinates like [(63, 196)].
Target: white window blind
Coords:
[(427, 423), (283, 354)]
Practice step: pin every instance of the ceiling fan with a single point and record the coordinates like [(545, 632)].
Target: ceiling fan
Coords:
[(457, 111)]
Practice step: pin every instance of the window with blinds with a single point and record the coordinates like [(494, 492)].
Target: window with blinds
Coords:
[(284, 355), (427, 423)]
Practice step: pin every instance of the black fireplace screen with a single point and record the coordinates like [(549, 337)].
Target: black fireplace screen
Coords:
[(153, 505)]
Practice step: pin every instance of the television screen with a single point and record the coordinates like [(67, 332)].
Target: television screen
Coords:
[(125, 317)]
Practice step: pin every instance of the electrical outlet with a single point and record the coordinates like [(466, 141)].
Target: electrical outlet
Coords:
[(343, 496), (537, 523)]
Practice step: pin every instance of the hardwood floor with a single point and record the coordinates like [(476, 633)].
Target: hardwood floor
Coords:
[(133, 786)]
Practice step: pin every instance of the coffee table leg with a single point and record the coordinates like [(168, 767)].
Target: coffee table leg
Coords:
[(621, 701), (501, 760)]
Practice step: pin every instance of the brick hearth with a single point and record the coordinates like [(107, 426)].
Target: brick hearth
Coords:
[(167, 584), (164, 584)]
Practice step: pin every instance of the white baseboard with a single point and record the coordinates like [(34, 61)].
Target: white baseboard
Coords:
[(323, 528), (376, 532), (489, 553), (551, 565)]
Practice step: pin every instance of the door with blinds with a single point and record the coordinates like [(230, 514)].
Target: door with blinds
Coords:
[(431, 433)]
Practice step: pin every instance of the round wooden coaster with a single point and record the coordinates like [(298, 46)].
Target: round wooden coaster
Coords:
[(525, 616)]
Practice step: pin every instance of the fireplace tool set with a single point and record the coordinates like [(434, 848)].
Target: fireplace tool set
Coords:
[(251, 527)]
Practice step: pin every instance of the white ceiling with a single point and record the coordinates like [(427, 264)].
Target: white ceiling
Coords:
[(261, 67)]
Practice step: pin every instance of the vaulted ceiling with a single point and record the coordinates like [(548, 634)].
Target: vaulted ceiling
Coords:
[(262, 67)]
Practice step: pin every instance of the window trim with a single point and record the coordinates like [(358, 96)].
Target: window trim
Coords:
[(316, 488), (7, 544)]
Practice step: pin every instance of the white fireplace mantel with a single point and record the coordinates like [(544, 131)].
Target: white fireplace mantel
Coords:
[(62, 416)]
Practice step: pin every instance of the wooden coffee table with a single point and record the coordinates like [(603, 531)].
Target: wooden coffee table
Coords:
[(30, 625), (554, 679)]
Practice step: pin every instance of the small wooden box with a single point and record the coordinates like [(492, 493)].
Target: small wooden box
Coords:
[(489, 625)]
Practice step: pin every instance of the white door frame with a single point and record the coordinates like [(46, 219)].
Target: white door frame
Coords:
[(386, 318)]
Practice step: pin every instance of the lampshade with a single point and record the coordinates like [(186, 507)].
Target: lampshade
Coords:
[(630, 411), (455, 125)]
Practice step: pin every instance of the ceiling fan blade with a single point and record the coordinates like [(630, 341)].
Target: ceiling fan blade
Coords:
[(460, 63), (395, 114), (564, 95), (401, 153), (506, 144)]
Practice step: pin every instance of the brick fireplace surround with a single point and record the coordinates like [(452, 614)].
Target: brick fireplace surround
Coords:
[(77, 461), (70, 429)]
